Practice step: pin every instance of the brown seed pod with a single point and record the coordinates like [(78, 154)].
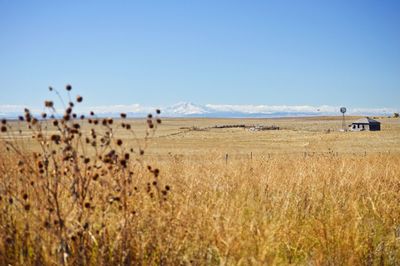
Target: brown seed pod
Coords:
[(156, 172), (48, 104)]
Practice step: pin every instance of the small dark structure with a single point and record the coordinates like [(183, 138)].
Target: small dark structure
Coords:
[(365, 124)]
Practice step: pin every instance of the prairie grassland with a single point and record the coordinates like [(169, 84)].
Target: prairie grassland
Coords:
[(296, 196)]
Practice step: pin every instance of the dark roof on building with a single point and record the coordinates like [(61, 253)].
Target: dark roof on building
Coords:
[(366, 120)]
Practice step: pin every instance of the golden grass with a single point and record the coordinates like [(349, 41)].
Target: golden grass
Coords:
[(279, 210)]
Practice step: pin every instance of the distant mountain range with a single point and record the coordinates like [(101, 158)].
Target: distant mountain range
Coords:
[(187, 109)]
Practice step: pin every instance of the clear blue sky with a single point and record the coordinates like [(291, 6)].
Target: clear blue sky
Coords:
[(232, 52)]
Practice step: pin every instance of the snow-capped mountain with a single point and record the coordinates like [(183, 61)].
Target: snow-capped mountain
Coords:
[(188, 109)]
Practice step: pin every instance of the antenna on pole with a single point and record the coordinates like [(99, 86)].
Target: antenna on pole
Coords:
[(343, 111)]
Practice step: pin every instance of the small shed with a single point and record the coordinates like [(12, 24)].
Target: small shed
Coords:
[(365, 123)]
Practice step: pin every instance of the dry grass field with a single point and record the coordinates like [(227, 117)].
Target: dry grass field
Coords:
[(302, 195)]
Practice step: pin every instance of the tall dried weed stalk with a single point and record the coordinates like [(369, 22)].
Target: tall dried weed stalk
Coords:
[(77, 199)]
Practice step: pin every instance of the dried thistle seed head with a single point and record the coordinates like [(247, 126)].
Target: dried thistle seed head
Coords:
[(74, 115), (71, 104), (119, 142), (86, 226), (141, 152), (128, 126), (68, 87), (50, 88), (66, 117), (158, 111), (82, 117), (3, 129), (96, 176), (123, 115), (68, 110), (158, 121), (87, 205), (28, 118), (167, 187), (79, 99), (27, 207), (44, 115), (156, 172), (55, 123), (25, 196), (49, 104), (91, 113), (20, 118), (46, 224), (110, 121), (3, 121), (149, 116), (55, 138)]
